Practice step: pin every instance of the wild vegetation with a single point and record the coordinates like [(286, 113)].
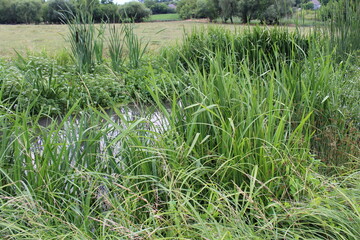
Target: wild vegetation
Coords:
[(229, 135)]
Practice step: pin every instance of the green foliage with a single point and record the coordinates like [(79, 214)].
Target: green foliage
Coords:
[(229, 9), (135, 11), (56, 10), (53, 88), (252, 45), (247, 10), (248, 135), (26, 11), (186, 9), (206, 9), (232, 153), (198, 9), (308, 6), (343, 18), (136, 49), (116, 48), (107, 12), (158, 7), (277, 10), (86, 40)]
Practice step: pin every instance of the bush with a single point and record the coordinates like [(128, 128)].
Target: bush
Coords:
[(308, 6), (107, 12), (135, 11), (158, 7)]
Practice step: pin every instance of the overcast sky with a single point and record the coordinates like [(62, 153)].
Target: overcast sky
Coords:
[(122, 1)]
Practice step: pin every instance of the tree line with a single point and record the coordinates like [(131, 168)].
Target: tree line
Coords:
[(51, 11), (267, 11)]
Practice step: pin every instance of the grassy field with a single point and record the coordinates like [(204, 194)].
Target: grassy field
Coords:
[(165, 17), (51, 38)]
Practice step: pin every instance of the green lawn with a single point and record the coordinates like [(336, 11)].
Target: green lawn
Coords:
[(165, 17)]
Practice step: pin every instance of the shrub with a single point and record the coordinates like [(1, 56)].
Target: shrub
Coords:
[(157, 7), (308, 6)]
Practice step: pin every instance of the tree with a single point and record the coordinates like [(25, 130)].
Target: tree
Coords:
[(5, 14), (157, 7), (247, 9), (28, 11), (206, 9), (186, 9), (57, 9), (229, 9), (107, 12), (135, 11), (107, 2), (276, 10)]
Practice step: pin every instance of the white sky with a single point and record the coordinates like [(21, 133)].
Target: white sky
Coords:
[(122, 1)]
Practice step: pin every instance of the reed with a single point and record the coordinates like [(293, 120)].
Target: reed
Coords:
[(136, 49), (116, 48), (86, 40), (343, 23)]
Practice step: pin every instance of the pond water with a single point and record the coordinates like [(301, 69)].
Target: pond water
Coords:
[(76, 133)]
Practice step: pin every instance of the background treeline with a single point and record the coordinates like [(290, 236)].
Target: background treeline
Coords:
[(38, 11), (267, 11)]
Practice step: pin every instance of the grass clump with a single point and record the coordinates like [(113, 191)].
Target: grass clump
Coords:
[(86, 40), (257, 45)]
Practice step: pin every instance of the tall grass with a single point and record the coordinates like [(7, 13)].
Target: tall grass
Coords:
[(343, 23), (257, 45), (86, 40), (136, 49), (116, 48), (125, 37)]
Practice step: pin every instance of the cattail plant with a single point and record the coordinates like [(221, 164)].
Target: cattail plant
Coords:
[(86, 40)]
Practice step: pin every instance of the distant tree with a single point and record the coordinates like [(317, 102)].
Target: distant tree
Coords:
[(308, 5), (28, 11), (187, 9), (107, 12), (5, 11), (56, 9), (157, 7), (229, 9), (247, 9), (276, 10), (324, 2), (107, 2), (207, 9), (135, 11)]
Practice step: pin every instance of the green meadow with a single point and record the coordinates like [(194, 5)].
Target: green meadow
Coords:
[(180, 130)]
